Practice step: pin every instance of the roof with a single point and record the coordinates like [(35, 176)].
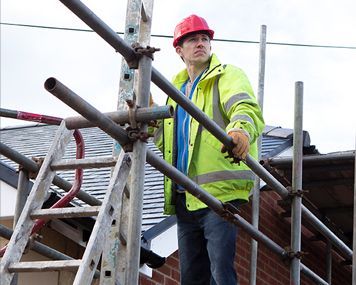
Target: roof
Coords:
[(329, 183), (35, 140)]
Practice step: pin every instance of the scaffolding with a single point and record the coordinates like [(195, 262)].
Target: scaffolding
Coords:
[(141, 58)]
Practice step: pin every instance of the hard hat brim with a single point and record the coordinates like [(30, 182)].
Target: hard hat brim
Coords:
[(179, 39)]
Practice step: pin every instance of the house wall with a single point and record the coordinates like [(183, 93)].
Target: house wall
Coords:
[(54, 240), (271, 270), (31, 278), (7, 200), (161, 247)]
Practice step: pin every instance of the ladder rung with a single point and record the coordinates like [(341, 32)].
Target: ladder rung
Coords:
[(70, 212), (51, 265), (98, 162)]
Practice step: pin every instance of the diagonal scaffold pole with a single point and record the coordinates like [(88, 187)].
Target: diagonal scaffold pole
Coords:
[(107, 125)]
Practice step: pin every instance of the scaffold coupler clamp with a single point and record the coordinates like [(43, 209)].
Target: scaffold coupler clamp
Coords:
[(134, 131), (31, 242), (137, 134), (229, 211), (22, 168), (290, 254), (295, 193), (33, 174), (139, 52), (132, 113)]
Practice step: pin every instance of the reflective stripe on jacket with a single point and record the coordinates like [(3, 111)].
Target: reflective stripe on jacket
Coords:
[(225, 95)]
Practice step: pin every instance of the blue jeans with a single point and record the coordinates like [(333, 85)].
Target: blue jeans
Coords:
[(206, 247)]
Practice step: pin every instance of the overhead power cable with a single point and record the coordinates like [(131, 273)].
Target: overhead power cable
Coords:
[(165, 36)]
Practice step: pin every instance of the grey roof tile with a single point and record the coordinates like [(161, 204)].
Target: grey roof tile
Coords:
[(36, 140)]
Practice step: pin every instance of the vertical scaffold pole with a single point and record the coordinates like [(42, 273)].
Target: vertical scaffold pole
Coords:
[(22, 193), (354, 231), (329, 261), (256, 189), (297, 183)]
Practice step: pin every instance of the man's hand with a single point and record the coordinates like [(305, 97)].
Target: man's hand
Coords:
[(241, 142), (152, 103)]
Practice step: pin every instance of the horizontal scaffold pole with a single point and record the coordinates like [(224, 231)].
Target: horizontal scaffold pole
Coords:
[(122, 117), (109, 35), (73, 100), (286, 162)]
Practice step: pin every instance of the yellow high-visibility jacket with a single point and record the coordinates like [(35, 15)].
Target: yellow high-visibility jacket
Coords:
[(225, 95)]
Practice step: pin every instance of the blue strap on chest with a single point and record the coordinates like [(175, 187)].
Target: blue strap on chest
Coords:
[(182, 135)]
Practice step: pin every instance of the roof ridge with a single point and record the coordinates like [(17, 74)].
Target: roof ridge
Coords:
[(32, 125)]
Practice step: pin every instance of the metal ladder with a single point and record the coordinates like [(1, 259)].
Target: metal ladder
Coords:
[(111, 205), (120, 228), (120, 264)]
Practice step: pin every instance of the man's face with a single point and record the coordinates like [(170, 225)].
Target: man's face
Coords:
[(195, 49)]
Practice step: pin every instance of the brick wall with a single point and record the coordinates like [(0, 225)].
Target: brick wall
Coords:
[(271, 270)]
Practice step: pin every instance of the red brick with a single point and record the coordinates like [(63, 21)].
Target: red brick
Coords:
[(165, 270), (169, 281), (144, 280), (173, 262), (158, 277), (271, 270), (175, 275)]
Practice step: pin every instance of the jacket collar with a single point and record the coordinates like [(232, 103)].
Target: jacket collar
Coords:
[(212, 71)]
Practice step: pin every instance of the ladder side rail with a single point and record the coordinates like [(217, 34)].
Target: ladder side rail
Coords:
[(35, 200), (120, 263), (114, 259), (101, 228), (139, 151)]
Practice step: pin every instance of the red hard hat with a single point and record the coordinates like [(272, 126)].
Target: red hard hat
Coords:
[(191, 24)]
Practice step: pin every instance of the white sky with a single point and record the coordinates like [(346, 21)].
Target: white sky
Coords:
[(91, 68)]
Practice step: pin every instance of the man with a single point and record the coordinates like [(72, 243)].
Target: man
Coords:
[(206, 241)]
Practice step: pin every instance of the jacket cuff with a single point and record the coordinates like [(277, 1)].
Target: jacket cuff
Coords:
[(241, 131)]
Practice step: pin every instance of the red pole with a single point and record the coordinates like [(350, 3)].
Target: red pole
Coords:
[(80, 153)]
